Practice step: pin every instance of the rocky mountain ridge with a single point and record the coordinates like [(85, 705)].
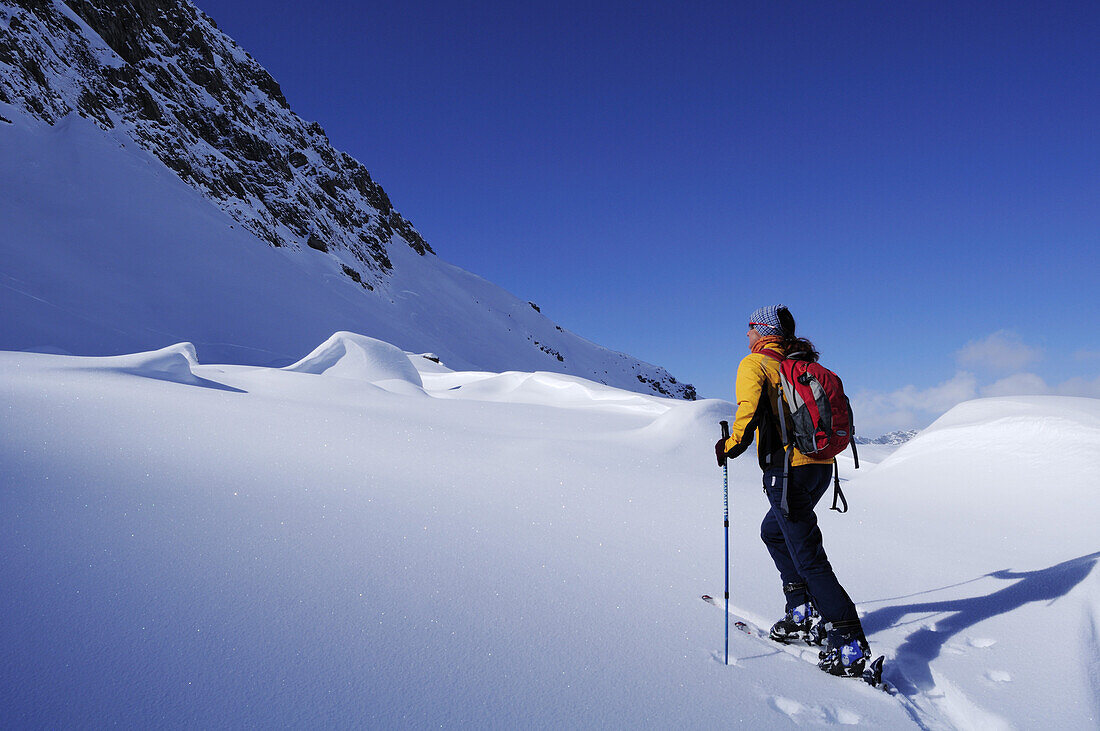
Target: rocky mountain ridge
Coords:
[(191, 96), (160, 73)]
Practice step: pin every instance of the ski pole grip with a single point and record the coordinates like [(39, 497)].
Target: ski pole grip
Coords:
[(725, 429)]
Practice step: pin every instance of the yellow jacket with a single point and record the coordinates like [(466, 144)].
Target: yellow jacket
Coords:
[(757, 391)]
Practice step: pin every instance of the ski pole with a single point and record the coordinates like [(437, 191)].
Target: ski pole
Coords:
[(726, 520)]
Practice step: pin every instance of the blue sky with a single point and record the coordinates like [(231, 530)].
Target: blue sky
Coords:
[(919, 182)]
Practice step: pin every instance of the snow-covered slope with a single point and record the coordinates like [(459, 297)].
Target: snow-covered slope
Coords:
[(158, 188), (982, 535), (334, 544)]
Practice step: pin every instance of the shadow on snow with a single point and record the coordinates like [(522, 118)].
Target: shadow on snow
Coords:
[(923, 646)]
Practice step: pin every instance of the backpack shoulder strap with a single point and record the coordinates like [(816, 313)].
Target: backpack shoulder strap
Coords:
[(771, 354)]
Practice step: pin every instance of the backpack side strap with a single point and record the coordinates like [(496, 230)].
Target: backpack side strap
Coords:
[(852, 434), (837, 492)]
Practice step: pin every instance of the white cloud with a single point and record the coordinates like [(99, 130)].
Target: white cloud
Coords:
[(1029, 384), (1018, 384), (937, 399), (1003, 351), (995, 365), (913, 408), (1079, 387), (910, 407)]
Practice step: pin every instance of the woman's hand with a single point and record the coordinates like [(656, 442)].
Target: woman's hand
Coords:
[(720, 451)]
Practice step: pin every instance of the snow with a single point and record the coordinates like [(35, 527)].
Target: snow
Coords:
[(106, 251), (468, 518), (348, 355), (190, 543), (169, 364), (105, 55), (545, 389)]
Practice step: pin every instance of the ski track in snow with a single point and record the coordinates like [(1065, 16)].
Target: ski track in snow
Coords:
[(823, 715), (917, 711), (214, 520)]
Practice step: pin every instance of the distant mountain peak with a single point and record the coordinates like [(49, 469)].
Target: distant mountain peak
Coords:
[(894, 438)]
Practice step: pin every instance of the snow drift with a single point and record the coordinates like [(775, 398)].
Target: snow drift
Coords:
[(173, 363), (1020, 469), (348, 355), (289, 548), (159, 188)]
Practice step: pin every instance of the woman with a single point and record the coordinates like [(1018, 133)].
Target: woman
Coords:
[(813, 593)]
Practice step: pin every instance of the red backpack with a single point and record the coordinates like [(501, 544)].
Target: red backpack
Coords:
[(821, 416)]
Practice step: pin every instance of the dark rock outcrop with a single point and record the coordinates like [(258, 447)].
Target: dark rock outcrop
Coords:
[(162, 72)]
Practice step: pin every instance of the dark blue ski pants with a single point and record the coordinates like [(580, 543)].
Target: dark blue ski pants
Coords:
[(794, 541)]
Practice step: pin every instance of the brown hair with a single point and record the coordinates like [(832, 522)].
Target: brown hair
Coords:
[(794, 347), (799, 349)]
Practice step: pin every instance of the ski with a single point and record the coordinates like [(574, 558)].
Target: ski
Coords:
[(737, 625), (872, 674)]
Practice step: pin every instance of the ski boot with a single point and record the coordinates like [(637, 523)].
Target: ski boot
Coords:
[(801, 624), (846, 652)]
